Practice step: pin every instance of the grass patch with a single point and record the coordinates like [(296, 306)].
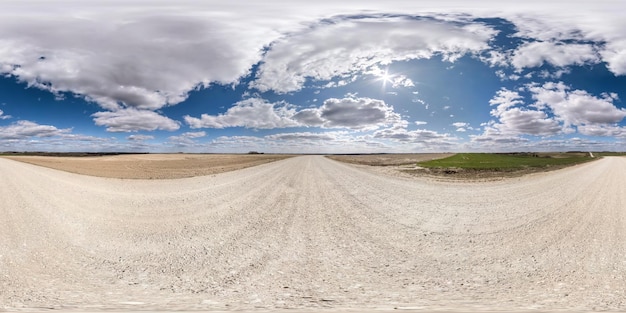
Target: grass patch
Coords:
[(506, 162), (609, 153)]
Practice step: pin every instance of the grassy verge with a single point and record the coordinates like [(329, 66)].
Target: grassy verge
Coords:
[(609, 153), (488, 165)]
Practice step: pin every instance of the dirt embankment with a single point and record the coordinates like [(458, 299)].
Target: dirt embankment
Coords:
[(311, 233)]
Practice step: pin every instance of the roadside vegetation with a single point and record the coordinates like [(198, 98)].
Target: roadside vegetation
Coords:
[(506, 162), (609, 153), (490, 165)]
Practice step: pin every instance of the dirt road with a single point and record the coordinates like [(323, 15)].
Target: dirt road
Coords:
[(309, 232)]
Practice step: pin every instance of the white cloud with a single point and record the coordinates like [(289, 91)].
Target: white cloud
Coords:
[(186, 139), (515, 120), (418, 123), (602, 130), (535, 54), (253, 113), (237, 141), (143, 58), (130, 120), (304, 136), (501, 142), (462, 126), (577, 107), (524, 121), (423, 137), (4, 116), (26, 129), (321, 54), (137, 56), (401, 81), (139, 137), (557, 109), (354, 113), (194, 134), (495, 58), (598, 22), (505, 99), (301, 142), (615, 55)]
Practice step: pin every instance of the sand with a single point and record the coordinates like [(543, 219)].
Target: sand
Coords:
[(312, 233)]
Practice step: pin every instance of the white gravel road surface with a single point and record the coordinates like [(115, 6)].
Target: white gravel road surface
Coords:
[(309, 232)]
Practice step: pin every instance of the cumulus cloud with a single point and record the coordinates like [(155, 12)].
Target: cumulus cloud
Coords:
[(27, 129), (524, 121), (4, 116), (535, 54), (577, 107), (401, 81), (423, 137), (365, 42), (237, 141), (615, 56), (351, 112), (557, 109), (133, 60), (130, 120), (253, 113), (186, 139), (301, 142), (514, 118), (461, 126), (133, 56), (602, 130), (598, 23), (303, 136), (139, 137), (498, 140), (354, 113)]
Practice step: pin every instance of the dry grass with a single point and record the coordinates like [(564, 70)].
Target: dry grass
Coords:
[(388, 159)]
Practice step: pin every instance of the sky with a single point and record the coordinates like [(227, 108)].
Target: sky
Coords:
[(320, 76)]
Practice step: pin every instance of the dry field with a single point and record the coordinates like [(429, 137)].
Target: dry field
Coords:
[(152, 166), (311, 233), (388, 159)]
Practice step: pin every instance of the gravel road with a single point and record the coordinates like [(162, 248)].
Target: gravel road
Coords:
[(309, 232)]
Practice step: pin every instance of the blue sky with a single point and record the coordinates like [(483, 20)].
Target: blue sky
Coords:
[(328, 77)]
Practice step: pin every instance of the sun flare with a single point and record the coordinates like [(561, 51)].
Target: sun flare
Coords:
[(385, 77)]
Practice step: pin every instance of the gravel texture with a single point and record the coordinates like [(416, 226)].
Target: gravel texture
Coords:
[(310, 233)]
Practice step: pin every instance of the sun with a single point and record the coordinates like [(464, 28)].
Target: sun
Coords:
[(385, 77)]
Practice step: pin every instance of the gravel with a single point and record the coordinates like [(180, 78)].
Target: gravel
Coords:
[(312, 233)]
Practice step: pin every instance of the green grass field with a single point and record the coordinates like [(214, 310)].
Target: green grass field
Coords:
[(507, 162), (609, 153)]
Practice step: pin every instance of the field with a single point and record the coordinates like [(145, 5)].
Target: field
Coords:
[(388, 159), (506, 162), (468, 166), (498, 165), (149, 166), (308, 233)]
